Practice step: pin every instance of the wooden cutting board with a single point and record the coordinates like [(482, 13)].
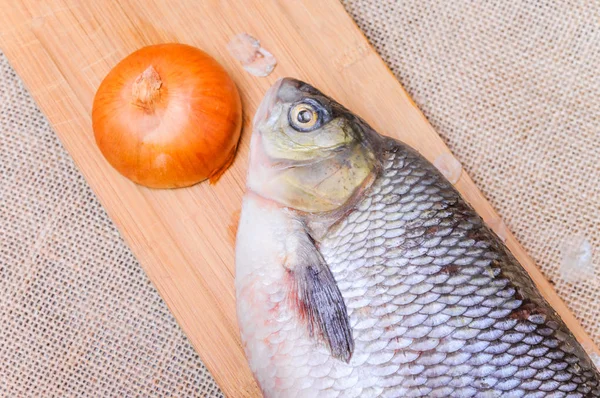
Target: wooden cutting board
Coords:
[(184, 238)]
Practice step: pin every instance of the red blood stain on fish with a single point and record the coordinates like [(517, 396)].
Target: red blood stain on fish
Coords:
[(450, 269), (525, 311), (293, 300), (431, 230)]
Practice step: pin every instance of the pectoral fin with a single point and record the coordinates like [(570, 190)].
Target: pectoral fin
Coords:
[(316, 295)]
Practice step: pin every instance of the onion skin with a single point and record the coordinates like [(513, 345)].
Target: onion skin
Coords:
[(168, 116)]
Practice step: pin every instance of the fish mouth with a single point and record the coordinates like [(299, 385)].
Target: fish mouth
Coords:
[(285, 89), (267, 103)]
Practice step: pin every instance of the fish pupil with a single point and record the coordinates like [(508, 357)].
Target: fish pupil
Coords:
[(304, 116)]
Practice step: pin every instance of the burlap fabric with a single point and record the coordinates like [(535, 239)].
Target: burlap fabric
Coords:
[(512, 87), (78, 315)]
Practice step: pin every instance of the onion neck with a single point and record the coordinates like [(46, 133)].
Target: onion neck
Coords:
[(145, 90)]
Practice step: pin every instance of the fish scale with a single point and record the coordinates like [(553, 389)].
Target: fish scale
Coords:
[(488, 333), (361, 272)]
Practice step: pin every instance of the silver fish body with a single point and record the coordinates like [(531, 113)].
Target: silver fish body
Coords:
[(399, 291)]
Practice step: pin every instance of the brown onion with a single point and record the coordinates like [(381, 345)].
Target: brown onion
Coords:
[(168, 116)]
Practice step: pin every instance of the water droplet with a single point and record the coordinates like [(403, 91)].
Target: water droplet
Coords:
[(497, 225), (449, 166), (576, 259), (594, 356), (255, 59), (595, 359)]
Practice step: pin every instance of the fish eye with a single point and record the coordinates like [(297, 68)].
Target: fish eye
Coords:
[(305, 116)]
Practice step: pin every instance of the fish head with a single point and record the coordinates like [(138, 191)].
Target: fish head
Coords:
[(308, 152)]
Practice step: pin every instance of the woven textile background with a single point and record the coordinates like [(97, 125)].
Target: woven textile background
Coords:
[(78, 315), (512, 87)]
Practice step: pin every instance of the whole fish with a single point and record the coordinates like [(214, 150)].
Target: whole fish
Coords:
[(361, 272)]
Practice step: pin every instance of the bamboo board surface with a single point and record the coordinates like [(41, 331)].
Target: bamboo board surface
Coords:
[(184, 239)]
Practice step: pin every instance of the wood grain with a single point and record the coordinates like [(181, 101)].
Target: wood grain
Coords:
[(184, 239)]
